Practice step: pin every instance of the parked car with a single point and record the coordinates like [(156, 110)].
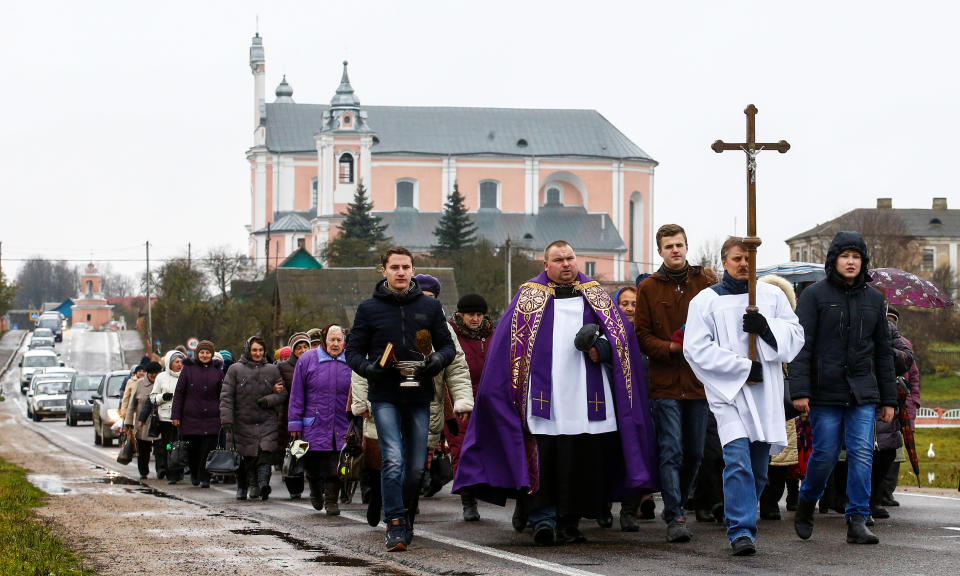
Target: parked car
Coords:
[(106, 402), (48, 396), (80, 397), (43, 332), (34, 360), (53, 321)]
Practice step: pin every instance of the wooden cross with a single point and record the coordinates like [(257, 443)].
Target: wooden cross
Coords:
[(541, 400), (751, 147), (596, 401)]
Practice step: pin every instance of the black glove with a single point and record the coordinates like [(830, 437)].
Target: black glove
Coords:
[(756, 371), (262, 402), (374, 373), (228, 428), (433, 366), (604, 350), (453, 426), (586, 337), (167, 396), (755, 323)]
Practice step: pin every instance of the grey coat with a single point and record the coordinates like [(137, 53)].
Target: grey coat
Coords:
[(254, 428), (137, 399)]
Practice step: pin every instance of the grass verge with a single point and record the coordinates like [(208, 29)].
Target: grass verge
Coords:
[(945, 466), (26, 546), (940, 391)]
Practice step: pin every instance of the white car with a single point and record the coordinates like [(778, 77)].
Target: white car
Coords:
[(34, 360), (48, 396)]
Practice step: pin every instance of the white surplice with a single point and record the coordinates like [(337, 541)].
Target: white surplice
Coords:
[(715, 345), (568, 393)]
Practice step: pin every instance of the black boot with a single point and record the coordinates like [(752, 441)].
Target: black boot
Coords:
[(857, 531), (263, 478), (803, 519), (519, 519), (793, 494), (628, 515), (331, 495), (253, 491), (470, 512), (242, 493), (316, 493), (375, 502)]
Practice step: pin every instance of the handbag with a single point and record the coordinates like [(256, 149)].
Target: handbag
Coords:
[(153, 430), (441, 470), (178, 453), (223, 460), (292, 466), (125, 456), (350, 466)]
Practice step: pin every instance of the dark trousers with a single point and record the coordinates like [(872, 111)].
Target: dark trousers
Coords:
[(708, 488), (143, 456), (882, 461), (168, 434), (319, 468), (776, 483), (200, 447)]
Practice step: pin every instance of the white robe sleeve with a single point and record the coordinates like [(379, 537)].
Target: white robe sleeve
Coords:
[(722, 371), (786, 329)]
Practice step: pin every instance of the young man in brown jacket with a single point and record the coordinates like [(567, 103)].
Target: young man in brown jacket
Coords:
[(678, 401)]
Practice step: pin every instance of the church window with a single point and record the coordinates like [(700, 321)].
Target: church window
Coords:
[(346, 168), (406, 193), (314, 193), (346, 120), (553, 197), (591, 269), (929, 258), (489, 194)]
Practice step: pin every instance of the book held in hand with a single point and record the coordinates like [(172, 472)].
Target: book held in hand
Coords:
[(387, 357)]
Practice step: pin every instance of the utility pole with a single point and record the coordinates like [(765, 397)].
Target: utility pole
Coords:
[(189, 255), (506, 247), (149, 314)]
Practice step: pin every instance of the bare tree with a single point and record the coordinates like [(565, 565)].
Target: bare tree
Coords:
[(224, 265), (115, 284), (708, 255)]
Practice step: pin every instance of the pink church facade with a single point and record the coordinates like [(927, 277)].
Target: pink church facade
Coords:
[(530, 175)]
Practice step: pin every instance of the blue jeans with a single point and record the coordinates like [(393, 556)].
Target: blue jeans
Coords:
[(744, 476), (402, 431), (833, 427), (681, 427)]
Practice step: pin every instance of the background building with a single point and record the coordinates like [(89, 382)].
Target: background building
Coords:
[(531, 175)]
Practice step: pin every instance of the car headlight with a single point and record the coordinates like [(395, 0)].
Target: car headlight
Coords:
[(79, 402), (113, 414)]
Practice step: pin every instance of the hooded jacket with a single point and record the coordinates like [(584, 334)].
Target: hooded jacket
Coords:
[(196, 403), (166, 383), (396, 318), (318, 400), (846, 358), (254, 427)]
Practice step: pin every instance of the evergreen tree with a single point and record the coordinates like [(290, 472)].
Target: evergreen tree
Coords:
[(454, 231), (361, 235)]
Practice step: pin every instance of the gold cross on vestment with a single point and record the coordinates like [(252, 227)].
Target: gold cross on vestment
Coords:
[(751, 147), (596, 401), (541, 400)]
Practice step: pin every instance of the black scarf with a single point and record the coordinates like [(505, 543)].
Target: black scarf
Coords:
[(677, 276)]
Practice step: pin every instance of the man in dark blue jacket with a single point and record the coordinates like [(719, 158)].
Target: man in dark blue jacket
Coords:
[(843, 372), (399, 314)]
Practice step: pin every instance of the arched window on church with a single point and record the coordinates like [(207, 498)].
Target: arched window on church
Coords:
[(553, 197), (489, 194), (346, 168), (406, 193)]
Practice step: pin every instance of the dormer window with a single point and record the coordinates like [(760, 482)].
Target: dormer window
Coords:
[(346, 168), (347, 119)]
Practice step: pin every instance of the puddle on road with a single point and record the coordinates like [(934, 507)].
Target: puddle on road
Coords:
[(49, 483), (326, 558), (117, 480)]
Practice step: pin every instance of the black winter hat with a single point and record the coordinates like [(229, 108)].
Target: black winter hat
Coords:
[(471, 303)]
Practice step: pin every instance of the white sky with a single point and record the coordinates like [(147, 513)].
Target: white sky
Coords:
[(128, 121)]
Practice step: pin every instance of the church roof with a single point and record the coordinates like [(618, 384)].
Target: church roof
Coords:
[(289, 222), (462, 131), (584, 231), (916, 222)]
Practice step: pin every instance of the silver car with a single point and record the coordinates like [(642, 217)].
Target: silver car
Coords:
[(48, 396), (106, 404)]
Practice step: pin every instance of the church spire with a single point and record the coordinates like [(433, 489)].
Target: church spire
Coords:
[(345, 97)]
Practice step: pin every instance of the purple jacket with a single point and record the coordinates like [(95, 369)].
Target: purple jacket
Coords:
[(196, 402), (318, 399)]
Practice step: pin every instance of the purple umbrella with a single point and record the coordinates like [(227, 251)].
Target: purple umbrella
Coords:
[(902, 288)]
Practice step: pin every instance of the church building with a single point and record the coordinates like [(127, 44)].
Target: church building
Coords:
[(530, 175)]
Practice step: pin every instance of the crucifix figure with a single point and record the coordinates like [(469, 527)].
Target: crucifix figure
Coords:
[(752, 148)]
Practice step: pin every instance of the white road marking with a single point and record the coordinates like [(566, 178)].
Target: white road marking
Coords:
[(957, 528), (934, 496)]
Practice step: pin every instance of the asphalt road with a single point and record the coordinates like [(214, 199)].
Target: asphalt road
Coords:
[(922, 537)]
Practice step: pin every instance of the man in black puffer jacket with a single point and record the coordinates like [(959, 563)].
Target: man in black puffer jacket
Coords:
[(843, 372), (399, 314)]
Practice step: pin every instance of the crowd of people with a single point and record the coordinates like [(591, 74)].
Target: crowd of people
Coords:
[(575, 400)]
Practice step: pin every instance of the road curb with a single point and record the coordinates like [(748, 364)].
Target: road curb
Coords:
[(3, 371)]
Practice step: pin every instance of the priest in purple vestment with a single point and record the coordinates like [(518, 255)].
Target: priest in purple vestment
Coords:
[(561, 430)]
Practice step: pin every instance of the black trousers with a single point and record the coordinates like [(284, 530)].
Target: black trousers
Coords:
[(773, 491), (143, 456), (200, 447), (320, 466), (708, 486)]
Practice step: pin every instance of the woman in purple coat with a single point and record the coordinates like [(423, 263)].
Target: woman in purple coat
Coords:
[(196, 408), (318, 414)]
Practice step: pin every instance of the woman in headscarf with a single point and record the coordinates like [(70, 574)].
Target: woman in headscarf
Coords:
[(318, 414), (138, 429), (196, 408), (297, 344), (162, 399), (250, 402)]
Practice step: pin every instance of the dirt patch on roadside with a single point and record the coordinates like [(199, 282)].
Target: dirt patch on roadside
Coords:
[(122, 527)]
